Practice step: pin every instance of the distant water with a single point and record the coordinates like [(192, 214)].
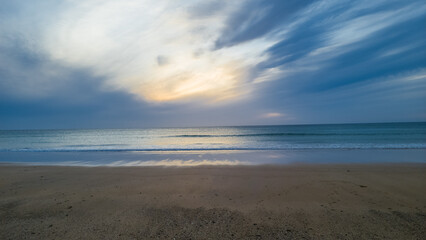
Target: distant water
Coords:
[(389, 142), (333, 136)]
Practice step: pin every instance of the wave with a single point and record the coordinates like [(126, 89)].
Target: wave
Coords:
[(289, 134), (409, 146), (95, 145)]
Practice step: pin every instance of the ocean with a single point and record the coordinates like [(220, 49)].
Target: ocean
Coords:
[(154, 144)]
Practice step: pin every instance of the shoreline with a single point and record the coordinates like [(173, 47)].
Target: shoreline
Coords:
[(224, 166), (230, 157), (351, 201)]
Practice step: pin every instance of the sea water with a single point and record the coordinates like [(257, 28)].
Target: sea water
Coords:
[(226, 144)]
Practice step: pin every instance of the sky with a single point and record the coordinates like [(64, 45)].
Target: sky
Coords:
[(182, 63)]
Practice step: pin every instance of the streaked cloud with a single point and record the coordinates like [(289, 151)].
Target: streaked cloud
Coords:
[(211, 62), (161, 51)]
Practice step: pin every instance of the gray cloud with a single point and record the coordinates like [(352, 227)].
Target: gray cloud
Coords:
[(258, 18), (308, 62), (162, 60), (206, 8)]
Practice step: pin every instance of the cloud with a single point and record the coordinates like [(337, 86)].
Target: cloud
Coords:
[(129, 49), (162, 60), (272, 115), (25, 73), (257, 19), (344, 62), (215, 50), (204, 9), (151, 63), (324, 50)]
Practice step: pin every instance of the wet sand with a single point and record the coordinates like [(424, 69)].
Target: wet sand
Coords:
[(357, 201)]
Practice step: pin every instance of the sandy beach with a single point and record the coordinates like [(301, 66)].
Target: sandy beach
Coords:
[(356, 201)]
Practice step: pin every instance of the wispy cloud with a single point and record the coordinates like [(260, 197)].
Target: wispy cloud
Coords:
[(168, 50), (214, 60), (160, 51)]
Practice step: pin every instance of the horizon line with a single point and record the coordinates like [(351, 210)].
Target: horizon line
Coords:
[(211, 126)]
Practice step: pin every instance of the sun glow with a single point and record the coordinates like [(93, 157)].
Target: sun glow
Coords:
[(217, 83), (164, 55)]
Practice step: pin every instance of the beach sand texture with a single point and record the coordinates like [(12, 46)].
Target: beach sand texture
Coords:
[(359, 201)]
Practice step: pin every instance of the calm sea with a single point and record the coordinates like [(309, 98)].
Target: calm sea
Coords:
[(209, 140)]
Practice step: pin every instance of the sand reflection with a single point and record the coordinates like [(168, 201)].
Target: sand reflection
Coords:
[(180, 163)]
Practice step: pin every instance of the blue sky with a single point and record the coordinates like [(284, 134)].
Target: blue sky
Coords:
[(160, 63)]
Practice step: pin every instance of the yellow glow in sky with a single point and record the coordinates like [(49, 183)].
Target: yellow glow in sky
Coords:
[(216, 83), (161, 55)]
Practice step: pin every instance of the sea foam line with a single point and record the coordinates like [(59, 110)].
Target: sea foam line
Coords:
[(331, 147)]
